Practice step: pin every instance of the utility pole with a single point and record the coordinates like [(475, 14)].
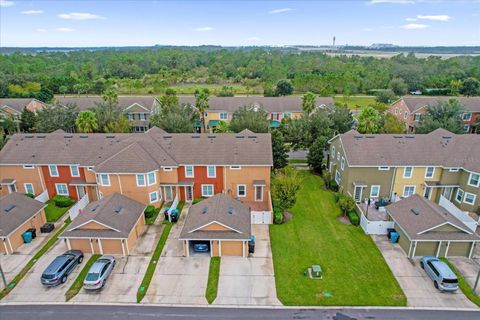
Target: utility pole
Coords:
[(5, 280), (476, 282)]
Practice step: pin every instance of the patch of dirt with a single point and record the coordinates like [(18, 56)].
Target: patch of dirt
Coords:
[(287, 216), (343, 219)]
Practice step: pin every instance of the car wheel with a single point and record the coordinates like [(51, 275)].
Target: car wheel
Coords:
[(103, 283), (422, 265), (64, 279), (435, 283), (80, 259)]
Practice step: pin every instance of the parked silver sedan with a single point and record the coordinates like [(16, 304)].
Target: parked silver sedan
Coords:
[(98, 273)]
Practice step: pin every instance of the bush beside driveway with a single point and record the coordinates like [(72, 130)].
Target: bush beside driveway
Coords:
[(355, 273)]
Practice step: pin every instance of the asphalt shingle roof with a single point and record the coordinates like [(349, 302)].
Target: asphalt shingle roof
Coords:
[(15, 103), (24, 208), (415, 103), (84, 103)]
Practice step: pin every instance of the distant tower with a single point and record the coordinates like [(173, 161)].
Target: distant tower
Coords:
[(334, 41)]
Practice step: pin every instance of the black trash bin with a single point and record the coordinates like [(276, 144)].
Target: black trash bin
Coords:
[(47, 228), (33, 231)]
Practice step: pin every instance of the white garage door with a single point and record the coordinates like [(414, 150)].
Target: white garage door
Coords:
[(261, 217)]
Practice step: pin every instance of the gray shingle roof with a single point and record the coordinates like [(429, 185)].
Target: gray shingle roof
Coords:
[(103, 212), (15, 103), (217, 208), (430, 215), (84, 103), (271, 104), (439, 147), (415, 103), (24, 208)]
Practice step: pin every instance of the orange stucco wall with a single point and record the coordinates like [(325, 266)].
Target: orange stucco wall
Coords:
[(16, 239), (246, 175), (22, 176)]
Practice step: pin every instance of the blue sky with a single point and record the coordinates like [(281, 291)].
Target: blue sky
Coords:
[(119, 23)]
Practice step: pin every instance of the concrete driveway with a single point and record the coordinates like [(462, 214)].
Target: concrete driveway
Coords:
[(30, 288), (468, 268), (249, 281), (177, 279), (415, 283), (122, 285)]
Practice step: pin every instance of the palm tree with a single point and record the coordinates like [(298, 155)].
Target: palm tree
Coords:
[(308, 102), (368, 120), (201, 103), (86, 122)]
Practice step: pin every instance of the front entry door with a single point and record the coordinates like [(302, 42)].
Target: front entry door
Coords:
[(188, 193), (168, 193), (80, 192), (358, 194), (428, 192), (447, 192)]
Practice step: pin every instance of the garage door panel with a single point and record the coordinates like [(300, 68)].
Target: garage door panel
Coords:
[(426, 249), (232, 248), (459, 249), (81, 244), (112, 246)]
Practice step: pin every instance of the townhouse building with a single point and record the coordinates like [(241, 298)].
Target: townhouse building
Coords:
[(410, 109), (149, 168), (440, 166), (13, 107)]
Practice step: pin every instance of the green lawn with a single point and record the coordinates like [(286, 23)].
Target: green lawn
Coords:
[(213, 275), (52, 212), (78, 283), (355, 273), (354, 102), (152, 219), (463, 284), (142, 290)]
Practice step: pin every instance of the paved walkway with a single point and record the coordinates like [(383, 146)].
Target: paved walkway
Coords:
[(249, 281), (415, 283), (468, 268)]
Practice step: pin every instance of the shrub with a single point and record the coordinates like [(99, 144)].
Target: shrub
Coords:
[(333, 185), (62, 201), (337, 197), (30, 195), (197, 200), (278, 217), (353, 217), (149, 212)]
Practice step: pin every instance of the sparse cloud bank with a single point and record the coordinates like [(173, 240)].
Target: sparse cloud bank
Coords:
[(79, 16), (414, 26), (442, 17), (65, 29), (204, 29), (391, 1), (281, 10), (5, 3), (28, 12)]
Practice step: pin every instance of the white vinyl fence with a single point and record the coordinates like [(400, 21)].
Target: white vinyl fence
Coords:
[(459, 214), (375, 227), (77, 208), (42, 197)]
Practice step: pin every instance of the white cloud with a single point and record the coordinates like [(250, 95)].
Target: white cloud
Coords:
[(32, 12), (411, 19), (391, 1), (281, 10), (65, 29), (204, 29), (414, 26), (41, 30), (442, 17), (79, 16), (367, 30), (253, 39), (5, 3)]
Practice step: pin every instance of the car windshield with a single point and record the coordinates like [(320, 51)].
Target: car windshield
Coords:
[(92, 276), (48, 276), (450, 280)]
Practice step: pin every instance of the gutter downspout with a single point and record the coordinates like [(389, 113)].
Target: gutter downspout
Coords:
[(392, 183)]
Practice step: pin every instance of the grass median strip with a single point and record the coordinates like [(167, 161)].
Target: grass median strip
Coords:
[(32, 261), (78, 283), (213, 275), (463, 284), (142, 290)]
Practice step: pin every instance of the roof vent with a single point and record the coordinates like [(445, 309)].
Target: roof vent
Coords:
[(446, 137), (95, 207), (205, 210), (358, 137), (196, 137), (68, 137), (110, 137), (83, 137), (410, 137), (397, 137), (370, 137), (252, 137), (415, 211), (28, 137), (41, 137), (211, 137), (230, 210), (239, 137), (118, 209), (9, 208), (167, 137)]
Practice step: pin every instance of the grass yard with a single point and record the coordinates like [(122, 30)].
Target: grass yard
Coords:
[(152, 219), (463, 284), (353, 102), (78, 283), (354, 271), (52, 212), (213, 275)]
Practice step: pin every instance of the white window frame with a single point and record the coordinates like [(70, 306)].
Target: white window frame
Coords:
[(66, 188), (417, 115), (409, 186), (261, 198), (155, 193), (207, 185), (223, 114), (338, 155), (101, 180), (150, 183), (78, 170), (383, 168), (26, 189), (337, 177), (238, 190), (235, 167), (371, 190), (167, 169), (459, 190), (214, 172), (28, 166), (142, 116), (474, 197), (342, 163), (396, 111), (50, 166), (333, 151), (426, 172), (453, 170), (144, 180), (405, 171), (470, 179), (405, 115), (287, 115), (466, 127), (189, 175), (469, 118)]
